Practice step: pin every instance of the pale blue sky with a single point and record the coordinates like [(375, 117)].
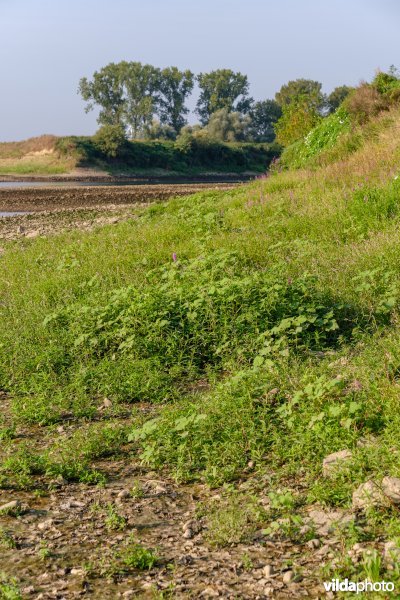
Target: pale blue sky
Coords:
[(47, 45)]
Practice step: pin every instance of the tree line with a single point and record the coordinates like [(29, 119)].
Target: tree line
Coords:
[(141, 101)]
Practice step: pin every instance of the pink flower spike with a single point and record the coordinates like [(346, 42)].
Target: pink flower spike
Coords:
[(174, 257)]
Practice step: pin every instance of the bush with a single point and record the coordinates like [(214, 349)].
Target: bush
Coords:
[(364, 103), (298, 118), (110, 139)]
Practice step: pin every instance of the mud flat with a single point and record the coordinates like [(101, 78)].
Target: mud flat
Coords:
[(32, 199)]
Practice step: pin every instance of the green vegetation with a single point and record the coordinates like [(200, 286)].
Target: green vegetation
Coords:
[(313, 140), (259, 327), (189, 154)]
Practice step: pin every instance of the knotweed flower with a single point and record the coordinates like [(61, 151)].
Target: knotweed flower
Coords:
[(174, 257)]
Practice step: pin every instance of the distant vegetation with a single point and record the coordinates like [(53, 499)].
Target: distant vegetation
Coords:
[(187, 155)]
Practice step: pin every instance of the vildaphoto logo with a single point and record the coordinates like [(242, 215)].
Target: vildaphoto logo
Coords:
[(338, 585)]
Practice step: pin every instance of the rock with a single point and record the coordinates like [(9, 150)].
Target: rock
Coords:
[(20, 229), (107, 403), (314, 544), (188, 534), (288, 577), (367, 495), (324, 522), (391, 489), (45, 524), (335, 460), (123, 494), (10, 507), (32, 234), (268, 571)]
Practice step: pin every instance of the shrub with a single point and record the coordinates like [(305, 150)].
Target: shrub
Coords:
[(365, 102), (110, 139), (298, 118)]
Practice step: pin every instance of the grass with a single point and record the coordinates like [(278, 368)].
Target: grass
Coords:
[(281, 296)]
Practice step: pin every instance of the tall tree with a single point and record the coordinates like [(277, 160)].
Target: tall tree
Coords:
[(228, 126), (174, 87), (264, 115), (141, 84), (105, 90), (337, 96), (307, 89), (219, 89)]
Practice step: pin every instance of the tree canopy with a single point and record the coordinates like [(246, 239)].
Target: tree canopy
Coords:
[(219, 89), (308, 89)]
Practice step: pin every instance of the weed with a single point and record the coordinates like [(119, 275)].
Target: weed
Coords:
[(114, 521)]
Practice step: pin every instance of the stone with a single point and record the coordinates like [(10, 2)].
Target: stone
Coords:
[(188, 534), (391, 489), (10, 507), (123, 494), (314, 544), (45, 524), (288, 577), (367, 495), (32, 234), (268, 571), (335, 460)]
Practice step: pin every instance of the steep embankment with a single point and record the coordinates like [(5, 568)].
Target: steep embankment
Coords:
[(233, 338)]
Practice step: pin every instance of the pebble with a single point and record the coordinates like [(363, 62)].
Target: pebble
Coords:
[(188, 534), (123, 494), (288, 577), (268, 571)]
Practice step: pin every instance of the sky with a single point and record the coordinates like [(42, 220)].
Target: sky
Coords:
[(46, 46)]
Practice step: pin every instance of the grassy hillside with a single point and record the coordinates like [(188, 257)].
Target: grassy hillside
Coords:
[(249, 334), (48, 155)]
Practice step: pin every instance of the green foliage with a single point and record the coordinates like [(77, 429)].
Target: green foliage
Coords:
[(336, 97), (226, 126), (175, 86), (9, 589), (307, 90), (233, 519), (109, 140), (297, 120), (263, 116), (220, 89), (130, 93), (321, 138), (188, 154)]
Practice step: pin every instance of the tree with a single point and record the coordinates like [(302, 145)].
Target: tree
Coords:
[(174, 87), (107, 91), (226, 126), (109, 139), (337, 96), (263, 117), (222, 89), (298, 118), (141, 83), (307, 89)]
